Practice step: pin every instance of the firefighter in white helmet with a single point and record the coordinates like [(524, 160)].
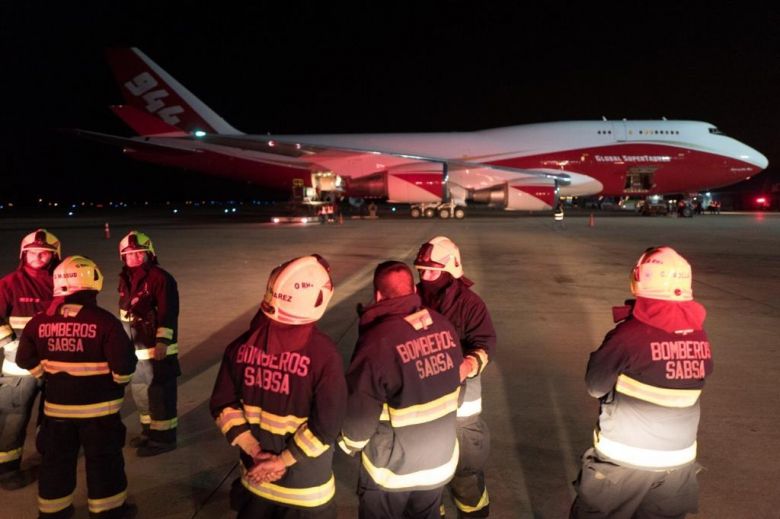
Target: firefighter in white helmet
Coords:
[(149, 310), (444, 288), (86, 359), (280, 396), (23, 293), (648, 375)]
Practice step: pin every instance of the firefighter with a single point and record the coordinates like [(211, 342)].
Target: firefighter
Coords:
[(280, 396), (149, 310), (23, 293), (86, 359), (403, 384), (444, 288), (648, 375)]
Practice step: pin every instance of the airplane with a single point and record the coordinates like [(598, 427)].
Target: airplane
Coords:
[(527, 167)]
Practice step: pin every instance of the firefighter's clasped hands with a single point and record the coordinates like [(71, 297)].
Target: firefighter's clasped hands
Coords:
[(267, 468)]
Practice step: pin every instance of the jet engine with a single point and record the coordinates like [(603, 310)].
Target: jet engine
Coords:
[(523, 195)]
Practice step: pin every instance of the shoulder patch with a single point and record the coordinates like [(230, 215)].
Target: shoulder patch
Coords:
[(419, 320), (70, 310)]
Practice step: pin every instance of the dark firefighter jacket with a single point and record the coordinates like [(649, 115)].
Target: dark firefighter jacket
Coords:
[(23, 293), (404, 384), (285, 384), (649, 373), (84, 355), (149, 310), (467, 312)]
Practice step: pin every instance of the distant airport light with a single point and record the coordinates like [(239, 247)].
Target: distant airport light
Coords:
[(199, 133), (271, 144), (175, 211), (275, 220)]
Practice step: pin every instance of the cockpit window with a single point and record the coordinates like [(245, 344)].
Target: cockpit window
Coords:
[(715, 131)]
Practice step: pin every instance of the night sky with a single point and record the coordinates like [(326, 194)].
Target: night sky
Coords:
[(379, 67)]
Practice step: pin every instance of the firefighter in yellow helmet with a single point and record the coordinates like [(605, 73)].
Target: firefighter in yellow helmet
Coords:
[(444, 288), (23, 293), (280, 396), (86, 359), (648, 375), (149, 310)]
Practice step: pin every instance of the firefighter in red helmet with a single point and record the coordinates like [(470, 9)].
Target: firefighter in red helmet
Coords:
[(86, 360), (23, 293), (648, 375), (149, 310), (444, 288), (280, 396)]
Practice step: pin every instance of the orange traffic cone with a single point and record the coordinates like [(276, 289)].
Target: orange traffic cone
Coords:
[(341, 218), (108, 232), (591, 221)]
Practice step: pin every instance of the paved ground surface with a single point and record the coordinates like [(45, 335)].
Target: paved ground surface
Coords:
[(549, 288)]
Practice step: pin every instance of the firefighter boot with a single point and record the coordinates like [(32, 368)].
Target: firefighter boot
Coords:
[(153, 448)]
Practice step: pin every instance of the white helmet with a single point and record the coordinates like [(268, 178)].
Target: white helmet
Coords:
[(661, 273), (41, 240), (440, 253), (76, 273), (298, 291)]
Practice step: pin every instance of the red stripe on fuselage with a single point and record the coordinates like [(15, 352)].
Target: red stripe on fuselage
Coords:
[(685, 170)]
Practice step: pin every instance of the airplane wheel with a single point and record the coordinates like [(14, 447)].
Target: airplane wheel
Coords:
[(460, 213), (415, 212), (430, 212), (444, 213)]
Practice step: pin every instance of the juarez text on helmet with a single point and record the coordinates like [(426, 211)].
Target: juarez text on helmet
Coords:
[(298, 291)]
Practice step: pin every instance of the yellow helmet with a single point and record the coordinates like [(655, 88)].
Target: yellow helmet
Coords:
[(76, 273), (298, 291), (440, 253), (40, 240), (661, 273), (136, 241)]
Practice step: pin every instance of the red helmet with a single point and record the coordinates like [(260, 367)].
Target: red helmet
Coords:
[(298, 291), (661, 273)]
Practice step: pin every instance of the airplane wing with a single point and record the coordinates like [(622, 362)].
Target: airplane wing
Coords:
[(136, 143), (345, 160)]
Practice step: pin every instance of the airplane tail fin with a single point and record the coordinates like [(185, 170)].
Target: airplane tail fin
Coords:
[(151, 90), (146, 124)]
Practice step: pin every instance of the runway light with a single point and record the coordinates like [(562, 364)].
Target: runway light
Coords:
[(304, 220), (275, 220), (175, 211), (393, 209), (70, 213)]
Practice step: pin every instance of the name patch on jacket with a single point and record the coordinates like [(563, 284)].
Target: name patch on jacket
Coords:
[(271, 372), (66, 336), (428, 353), (684, 359)]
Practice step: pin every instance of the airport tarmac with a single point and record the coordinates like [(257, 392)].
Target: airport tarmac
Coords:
[(550, 289)]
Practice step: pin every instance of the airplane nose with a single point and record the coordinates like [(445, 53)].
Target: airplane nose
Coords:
[(759, 160)]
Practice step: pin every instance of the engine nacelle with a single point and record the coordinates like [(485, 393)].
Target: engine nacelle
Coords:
[(523, 195), (419, 184)]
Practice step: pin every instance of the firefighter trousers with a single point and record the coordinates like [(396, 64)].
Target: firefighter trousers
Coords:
[(17, 396), (605, 490), (155, 394), (376, 503), (467, 487), (102, 439), (255, 507)]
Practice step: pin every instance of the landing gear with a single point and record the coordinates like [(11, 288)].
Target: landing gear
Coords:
[(443, 211)]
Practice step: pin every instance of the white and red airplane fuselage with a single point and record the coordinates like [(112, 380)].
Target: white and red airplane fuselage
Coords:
[(518, 167)]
